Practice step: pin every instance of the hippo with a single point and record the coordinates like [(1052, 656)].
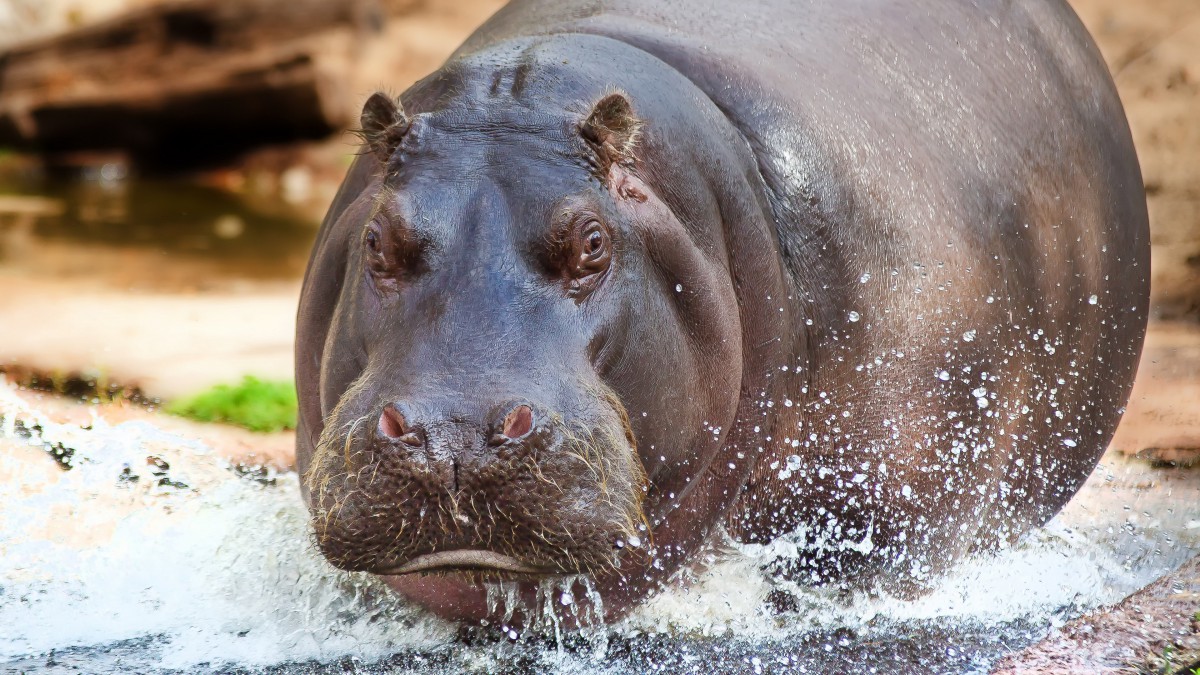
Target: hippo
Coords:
[(627, 279)]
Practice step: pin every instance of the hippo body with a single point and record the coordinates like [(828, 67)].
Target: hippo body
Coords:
[(622, 273)]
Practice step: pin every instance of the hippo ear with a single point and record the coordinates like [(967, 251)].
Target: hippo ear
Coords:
[(383, 125), (611, 130)]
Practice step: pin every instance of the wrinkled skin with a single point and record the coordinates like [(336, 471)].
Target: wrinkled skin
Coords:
[(612, 279)]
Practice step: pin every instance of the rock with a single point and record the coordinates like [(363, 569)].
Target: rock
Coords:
[(187, 81)]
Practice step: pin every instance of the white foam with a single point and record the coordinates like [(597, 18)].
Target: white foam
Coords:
[(224, 572)]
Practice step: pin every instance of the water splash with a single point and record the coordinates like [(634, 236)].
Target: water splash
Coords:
[(145, 541), (220, 569), (555, 608)]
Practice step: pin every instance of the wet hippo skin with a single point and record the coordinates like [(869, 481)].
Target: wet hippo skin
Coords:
[(872, 275)]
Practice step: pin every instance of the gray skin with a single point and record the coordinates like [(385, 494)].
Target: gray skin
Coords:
[(871, 275)]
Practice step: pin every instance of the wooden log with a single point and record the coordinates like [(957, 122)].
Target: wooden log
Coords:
[(188, 80)]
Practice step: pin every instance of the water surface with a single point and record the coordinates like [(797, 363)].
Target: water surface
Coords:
[(100, 225)]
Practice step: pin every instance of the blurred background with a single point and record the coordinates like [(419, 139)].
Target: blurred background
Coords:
[(164, 166)]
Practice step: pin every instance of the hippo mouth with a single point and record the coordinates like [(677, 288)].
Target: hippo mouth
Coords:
[(465, 560)]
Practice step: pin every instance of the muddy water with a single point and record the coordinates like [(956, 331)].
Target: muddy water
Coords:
[(100, 226), (126, 548)]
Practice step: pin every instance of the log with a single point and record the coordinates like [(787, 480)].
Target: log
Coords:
[(187, 81)]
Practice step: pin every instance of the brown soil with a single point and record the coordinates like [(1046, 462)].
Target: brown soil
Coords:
[(1153, 50), (238, 446), (1152, 631), (1162, 422)]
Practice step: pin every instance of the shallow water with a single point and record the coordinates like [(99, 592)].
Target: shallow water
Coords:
[(151, 554), (98, 224)]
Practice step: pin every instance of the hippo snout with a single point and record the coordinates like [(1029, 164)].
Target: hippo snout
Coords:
[(517, 488)]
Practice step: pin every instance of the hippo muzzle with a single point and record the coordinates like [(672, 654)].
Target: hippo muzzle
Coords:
[(404, 485)]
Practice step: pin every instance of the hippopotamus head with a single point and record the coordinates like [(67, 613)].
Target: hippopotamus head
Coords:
[(520, 344)]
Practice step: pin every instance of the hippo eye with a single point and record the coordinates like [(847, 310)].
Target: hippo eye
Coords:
[(377, 261), (581, 254), (595, 242), (594, 249), (392, 254)]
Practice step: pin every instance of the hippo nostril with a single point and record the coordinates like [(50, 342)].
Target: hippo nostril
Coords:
[(392, 424), (518, 423), (394, 427)]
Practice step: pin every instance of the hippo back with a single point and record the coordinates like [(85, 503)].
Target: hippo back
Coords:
[(958, 201)]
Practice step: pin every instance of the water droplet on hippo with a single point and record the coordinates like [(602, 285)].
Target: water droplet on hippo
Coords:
[(943, 375), (678, 288), (854, 316), (969, 336), (1070, 443), (866, 276), (566, 599), (1093, 300), (635, 541), (990, 299), (981, 402)]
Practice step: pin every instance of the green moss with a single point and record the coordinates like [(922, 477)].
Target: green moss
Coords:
[(255, 404)]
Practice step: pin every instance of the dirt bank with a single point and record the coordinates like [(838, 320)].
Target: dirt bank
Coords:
[(1153, 50)]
